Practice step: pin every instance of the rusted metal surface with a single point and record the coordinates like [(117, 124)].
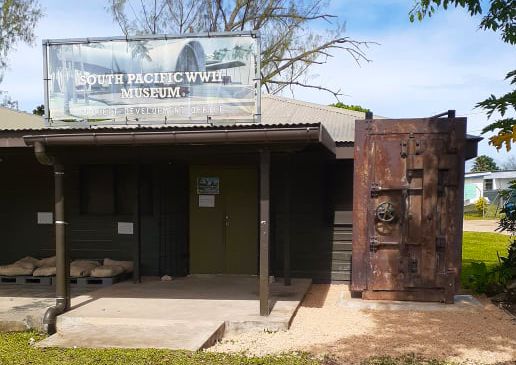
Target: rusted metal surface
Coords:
[(407, 208)]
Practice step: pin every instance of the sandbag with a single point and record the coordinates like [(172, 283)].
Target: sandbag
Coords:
[(82, 268), (47, 262), (107, 271), (17, 269), (126, 265), (28, 260), (45, 271)]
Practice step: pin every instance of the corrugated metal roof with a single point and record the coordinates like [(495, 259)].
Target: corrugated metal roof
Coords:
[(276, 111), (340, 123), (15, 120)]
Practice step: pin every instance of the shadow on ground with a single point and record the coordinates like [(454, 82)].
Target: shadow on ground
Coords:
[(484, 336)]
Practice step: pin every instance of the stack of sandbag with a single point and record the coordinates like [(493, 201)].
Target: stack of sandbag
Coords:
[(46, 267), (82, 268), (111, 268), (22, 267)]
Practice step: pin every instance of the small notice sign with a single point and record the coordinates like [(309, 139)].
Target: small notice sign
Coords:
[(45, 218), (206, 201), (125, 228), (208, 185)]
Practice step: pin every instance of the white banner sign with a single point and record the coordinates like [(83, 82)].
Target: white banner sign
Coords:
[(179, 80)]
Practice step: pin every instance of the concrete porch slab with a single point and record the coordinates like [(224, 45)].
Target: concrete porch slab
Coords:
[(136, 333), (22, 307), (186, 313)]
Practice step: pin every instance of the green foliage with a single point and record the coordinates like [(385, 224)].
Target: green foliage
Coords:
[(39, 110), (356, 108), (484, 163), (504, 105), (480, 247), (472, 213), (18, 19), (484, 280), (481, 205), (15, 349), (492, 280), (498, 16), (6, 101)]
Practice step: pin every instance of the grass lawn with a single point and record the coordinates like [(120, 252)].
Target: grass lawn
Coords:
[(481, 247), (15, 350)]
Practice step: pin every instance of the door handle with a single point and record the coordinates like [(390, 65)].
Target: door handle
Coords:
[(227, 221)]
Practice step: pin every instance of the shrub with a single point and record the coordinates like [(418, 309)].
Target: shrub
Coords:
[(481, 205)]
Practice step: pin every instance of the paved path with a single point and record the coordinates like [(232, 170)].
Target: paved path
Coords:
[(481, 226)]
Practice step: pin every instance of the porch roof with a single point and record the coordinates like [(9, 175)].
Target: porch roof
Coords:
[(193, 135), (276, 111)]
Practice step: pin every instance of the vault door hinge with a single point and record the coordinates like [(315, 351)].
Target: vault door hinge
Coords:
[(373, 244)]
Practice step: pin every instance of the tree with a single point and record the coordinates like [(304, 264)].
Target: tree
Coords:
[(39, 110), (484, 163), (510, 163), (289, 48), (18, 20), (500, 16), (356, 108), (6, 101)]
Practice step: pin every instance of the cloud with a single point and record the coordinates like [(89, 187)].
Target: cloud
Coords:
[(63, 19), (422, 69)]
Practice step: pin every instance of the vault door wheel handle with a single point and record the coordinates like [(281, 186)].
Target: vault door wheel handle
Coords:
[(385, 212)]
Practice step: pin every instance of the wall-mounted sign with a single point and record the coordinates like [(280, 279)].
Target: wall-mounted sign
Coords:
[(208, 185), (125, 228), (206, 201), (45, 218), (155, 79)]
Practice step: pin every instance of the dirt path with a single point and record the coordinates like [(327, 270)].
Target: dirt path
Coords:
[(484, 335), (481, 226)]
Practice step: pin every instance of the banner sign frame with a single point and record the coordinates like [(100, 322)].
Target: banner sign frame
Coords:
[(203, 78)]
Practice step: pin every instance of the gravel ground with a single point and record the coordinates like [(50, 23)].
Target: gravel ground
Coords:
[(486, 335)]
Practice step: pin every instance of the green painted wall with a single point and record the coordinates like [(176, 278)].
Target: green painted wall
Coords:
[(25, 188), (320, 188)]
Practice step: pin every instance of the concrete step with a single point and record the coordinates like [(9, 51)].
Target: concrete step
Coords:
[(98, 332)]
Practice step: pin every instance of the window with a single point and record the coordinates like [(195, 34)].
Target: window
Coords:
[(488, 184)]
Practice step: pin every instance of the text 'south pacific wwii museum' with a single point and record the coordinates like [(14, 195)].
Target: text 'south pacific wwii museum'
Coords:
[(158, 156)]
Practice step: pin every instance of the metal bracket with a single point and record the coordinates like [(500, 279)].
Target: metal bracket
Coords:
[(373, 243), (413, 265), (403, 152), (375, 190), (418, 147), (440, 242)]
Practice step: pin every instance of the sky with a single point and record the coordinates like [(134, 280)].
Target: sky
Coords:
[(415, 70)]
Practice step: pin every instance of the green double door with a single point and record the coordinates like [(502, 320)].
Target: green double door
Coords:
[(223, 220)]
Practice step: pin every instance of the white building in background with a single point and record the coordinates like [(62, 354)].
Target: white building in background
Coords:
[(486, 184)]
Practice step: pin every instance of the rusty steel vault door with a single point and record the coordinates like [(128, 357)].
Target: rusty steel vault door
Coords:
[(407, 208)]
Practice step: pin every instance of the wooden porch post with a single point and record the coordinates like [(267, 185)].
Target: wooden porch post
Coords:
[(137, 226), (62, 249), (286, 246), (265, 163)]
